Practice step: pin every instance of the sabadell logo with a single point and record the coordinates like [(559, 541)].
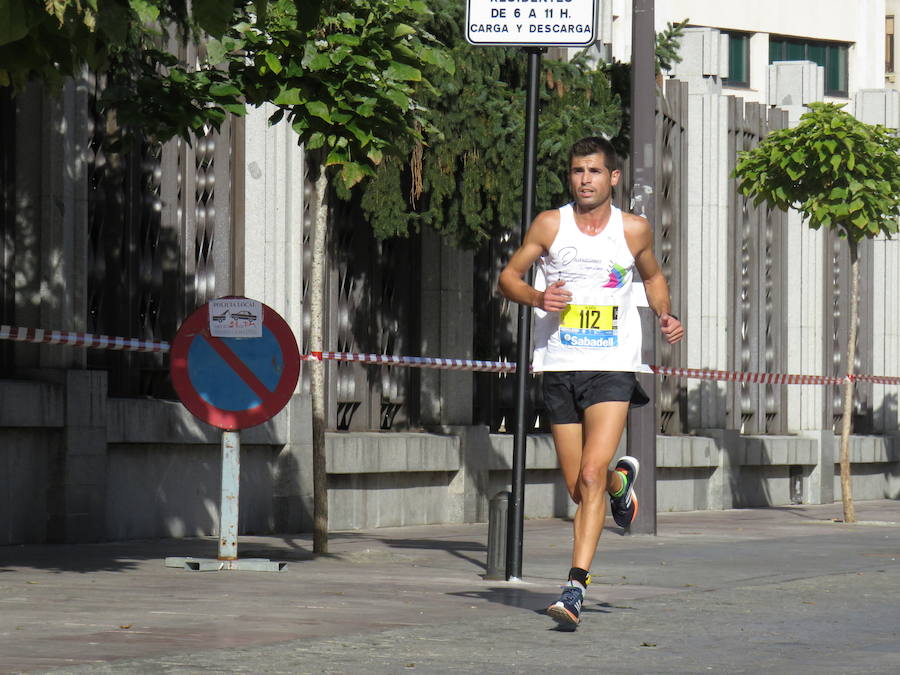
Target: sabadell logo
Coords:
[(573, 340)]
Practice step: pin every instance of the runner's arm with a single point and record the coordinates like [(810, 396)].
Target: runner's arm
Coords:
[(639, 236), (512, 284)]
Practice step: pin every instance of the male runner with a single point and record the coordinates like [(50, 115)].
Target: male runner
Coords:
[(587, 342)]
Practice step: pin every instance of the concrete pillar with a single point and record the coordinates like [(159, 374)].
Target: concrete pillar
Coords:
[(269, 267), (469, 488), (820, 489), (447, 297), (795, 83), (759, 67), (877, 106), (31, 423), (791, 86), (78, 490), (805, 334), (706, 233), (885, 320), (64, 213), (50, 236), (704, 63), (724, 483), (704, 60), (882, 106), (271, 259), (892, 487), (292, 501)]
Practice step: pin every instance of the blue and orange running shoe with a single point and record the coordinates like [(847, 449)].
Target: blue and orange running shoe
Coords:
[(567, 610), (625, 507)]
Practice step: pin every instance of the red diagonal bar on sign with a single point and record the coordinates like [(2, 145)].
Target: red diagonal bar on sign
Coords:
[(238, 366)]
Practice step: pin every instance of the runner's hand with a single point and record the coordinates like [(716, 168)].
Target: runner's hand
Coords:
[(671, 328), (555, 298)]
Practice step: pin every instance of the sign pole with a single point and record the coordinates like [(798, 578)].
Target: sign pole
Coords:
[(234, 364), (515, 526), (642, 422), (228, 506)]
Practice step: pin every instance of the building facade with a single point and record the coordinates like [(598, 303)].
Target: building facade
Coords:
[(846, 40), (94, 446)]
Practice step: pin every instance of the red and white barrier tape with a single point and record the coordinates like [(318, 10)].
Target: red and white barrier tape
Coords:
[(759, 378), (415, 361), (57, 337), (130, 344)]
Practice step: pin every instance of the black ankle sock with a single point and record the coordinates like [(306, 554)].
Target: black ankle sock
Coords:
[(579, 575)]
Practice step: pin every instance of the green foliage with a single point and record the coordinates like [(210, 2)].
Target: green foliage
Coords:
[(668, 42), (349, 85), (345, 73), (466, 180), (835, 170), (364, 83), (129, 44)]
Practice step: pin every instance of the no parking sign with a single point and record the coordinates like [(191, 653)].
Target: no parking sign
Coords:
[(235, 363)]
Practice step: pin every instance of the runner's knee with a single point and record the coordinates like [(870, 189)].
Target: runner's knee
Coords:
[(592, 479)]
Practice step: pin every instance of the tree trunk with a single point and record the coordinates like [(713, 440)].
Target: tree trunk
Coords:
[(317, 375), (847, 414)]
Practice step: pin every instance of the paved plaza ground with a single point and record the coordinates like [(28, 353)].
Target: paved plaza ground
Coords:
[(778, 590)]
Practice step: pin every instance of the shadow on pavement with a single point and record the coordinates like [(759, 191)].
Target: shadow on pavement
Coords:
[(125, 556), (453, 547), (536, 602)]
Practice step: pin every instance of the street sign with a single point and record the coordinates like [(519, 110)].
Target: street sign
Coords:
[(235, 317), (234, 382), (532, 23)]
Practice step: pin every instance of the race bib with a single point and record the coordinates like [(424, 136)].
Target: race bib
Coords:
[(592, 326)]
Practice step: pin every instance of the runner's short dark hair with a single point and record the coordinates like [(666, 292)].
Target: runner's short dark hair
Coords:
[(591, 145)]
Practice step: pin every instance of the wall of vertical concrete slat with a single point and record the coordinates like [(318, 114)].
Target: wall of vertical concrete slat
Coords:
[(755, 293)]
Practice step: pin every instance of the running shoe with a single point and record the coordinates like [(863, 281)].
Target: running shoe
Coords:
[(567, 610), (625, 507)]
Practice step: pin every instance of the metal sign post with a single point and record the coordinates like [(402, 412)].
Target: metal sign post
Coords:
[(642, 422), (235, 364), (516, 524), (230, 493)]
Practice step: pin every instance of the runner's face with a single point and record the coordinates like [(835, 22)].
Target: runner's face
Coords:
[(590, 181)]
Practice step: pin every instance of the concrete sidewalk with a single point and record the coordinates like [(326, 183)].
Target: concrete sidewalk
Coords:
[(779, 590)]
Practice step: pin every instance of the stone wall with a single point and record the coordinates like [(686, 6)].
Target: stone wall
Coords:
[(76, 466)]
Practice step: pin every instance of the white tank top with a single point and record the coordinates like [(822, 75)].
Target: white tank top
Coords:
[(601, 327)]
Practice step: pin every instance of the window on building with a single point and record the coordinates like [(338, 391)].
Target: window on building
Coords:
[(738, 60), (889, 44), (832, 56)]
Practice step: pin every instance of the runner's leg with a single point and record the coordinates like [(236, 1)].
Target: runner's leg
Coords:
[(568, 441), (602, 428)]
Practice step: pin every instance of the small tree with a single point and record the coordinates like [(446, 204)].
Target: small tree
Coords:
[(838, 173), (349, 86)]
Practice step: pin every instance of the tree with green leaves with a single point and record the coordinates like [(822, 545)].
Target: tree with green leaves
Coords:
[(349, 89), (350, 86), (466, 182), (668, 42), (346, 74), (129, 45), (842, 174)]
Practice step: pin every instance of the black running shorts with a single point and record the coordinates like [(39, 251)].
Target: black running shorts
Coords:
[(568, 393)]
